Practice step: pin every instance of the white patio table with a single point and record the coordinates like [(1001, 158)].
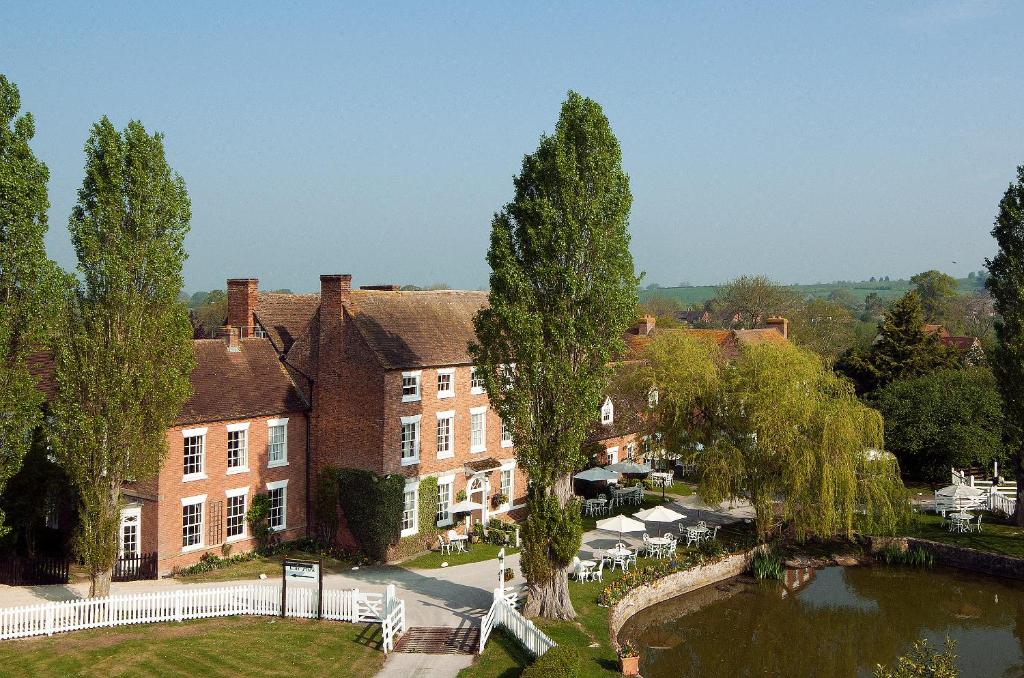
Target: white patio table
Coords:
[(960, 522)]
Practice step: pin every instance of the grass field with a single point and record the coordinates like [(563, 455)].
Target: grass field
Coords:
[(252, 569), (998, 537), (475, 554), (226, 646), (886, 290)]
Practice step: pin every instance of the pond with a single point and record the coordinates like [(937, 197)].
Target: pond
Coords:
[(832, 622)]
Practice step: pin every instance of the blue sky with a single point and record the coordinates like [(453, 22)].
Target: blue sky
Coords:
[(810, 142)]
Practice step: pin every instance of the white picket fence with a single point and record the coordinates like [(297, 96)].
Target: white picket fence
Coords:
[(524, 630), (349, 605), (1000, 495)]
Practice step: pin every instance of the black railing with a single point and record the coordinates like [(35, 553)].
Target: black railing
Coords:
[(134, 568), (19, 571)]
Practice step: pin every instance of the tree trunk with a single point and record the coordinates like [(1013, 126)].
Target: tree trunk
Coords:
[(550, 598), (99, 583)]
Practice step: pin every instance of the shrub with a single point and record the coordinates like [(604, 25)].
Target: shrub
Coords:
[(923, 661), (561, 661), (766, 564), (915, 557)]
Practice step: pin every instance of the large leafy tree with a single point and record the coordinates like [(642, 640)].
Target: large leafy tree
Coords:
[(1006, 285), (753, 298), (936, 290), (902, 349), (943, 419), (562, 292), (27, 280), (779, 429), (125, 354), (823, 326)]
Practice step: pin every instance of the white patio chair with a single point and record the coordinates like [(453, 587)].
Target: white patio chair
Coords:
[(455, 544), (977, 525), (712, 534), (442, 545), (631, 558), (692, 537), (598, 574)]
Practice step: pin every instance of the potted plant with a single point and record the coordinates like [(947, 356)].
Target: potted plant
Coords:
[(508, 574), (460, 495), (498, 499), (629, 659)]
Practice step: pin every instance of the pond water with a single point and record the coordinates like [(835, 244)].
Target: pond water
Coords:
[(832, 622)]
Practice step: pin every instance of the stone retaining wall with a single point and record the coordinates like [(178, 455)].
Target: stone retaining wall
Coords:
[(673, 585), (958, 556)]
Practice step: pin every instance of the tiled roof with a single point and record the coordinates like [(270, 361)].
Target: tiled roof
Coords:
[(935, 329), (728, 340), (960, 343), (417, 329), (237, 385), (286, 317)]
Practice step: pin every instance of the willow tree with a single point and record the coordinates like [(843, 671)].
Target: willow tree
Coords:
[(125, 354), (562, 292), (1006, 285), (26, 280), (779, 430)]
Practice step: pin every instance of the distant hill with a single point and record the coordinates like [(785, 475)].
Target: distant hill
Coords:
[(887, 289)]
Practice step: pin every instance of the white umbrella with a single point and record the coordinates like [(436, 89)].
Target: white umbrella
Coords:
[(956, 491), (596, 474), (620, 524), (629, 468), (465, 506), (659, 514)]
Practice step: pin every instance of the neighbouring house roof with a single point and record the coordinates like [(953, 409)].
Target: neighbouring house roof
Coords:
[(417, 328), (286, 317), (728, 340), (251, 382), (958, 342)]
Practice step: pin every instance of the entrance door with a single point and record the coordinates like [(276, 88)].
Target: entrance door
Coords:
[(131, 531), (478, 492)]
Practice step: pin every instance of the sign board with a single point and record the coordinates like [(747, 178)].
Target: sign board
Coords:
[(302, 570)]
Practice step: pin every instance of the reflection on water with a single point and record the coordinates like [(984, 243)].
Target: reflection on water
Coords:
[(832, 622)]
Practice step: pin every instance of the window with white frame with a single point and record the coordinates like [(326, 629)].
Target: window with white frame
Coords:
[(607, 411), (630, 451), (446, 383), (506, 435), (193, 453), (476, 382), (131, 519), (238, 448), (410, 440), (444, 501), (236, 513), (478, 429), (277, 442), (258, 331), (445, 434), (278, 493), (410, 386), (410, 509), (192, 522), (507, 475), (613, 455)]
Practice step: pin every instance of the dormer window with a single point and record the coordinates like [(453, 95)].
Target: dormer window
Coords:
[(607, 412)]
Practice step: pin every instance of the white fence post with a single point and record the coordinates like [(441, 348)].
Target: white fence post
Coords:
[(355, 606), (49, 619), (178, 595)]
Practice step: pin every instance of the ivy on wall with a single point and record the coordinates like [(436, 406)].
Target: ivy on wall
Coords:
[(373, 508)]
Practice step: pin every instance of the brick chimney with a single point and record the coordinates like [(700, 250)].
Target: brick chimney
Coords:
[(230, 336), (242, 304), (646, 325), (335, 290), (779, 324)]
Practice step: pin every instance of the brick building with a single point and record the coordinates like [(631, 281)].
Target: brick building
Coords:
[(242, 432), (391, 385)]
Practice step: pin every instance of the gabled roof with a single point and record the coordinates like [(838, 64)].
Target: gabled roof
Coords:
[(251, 382), (285, 317), (417, 328)]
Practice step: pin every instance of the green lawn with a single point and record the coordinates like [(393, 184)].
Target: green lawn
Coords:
[(678, 488), (225, 646), (252, 569), (475, 554), (650, 500), (995, 536)]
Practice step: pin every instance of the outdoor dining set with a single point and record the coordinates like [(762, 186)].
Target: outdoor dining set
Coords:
[(962, 521), (602, 505)]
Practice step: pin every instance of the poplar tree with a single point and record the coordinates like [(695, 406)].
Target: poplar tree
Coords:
[(1005, 283), (562, 292), (125, 354), (27, 280)]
